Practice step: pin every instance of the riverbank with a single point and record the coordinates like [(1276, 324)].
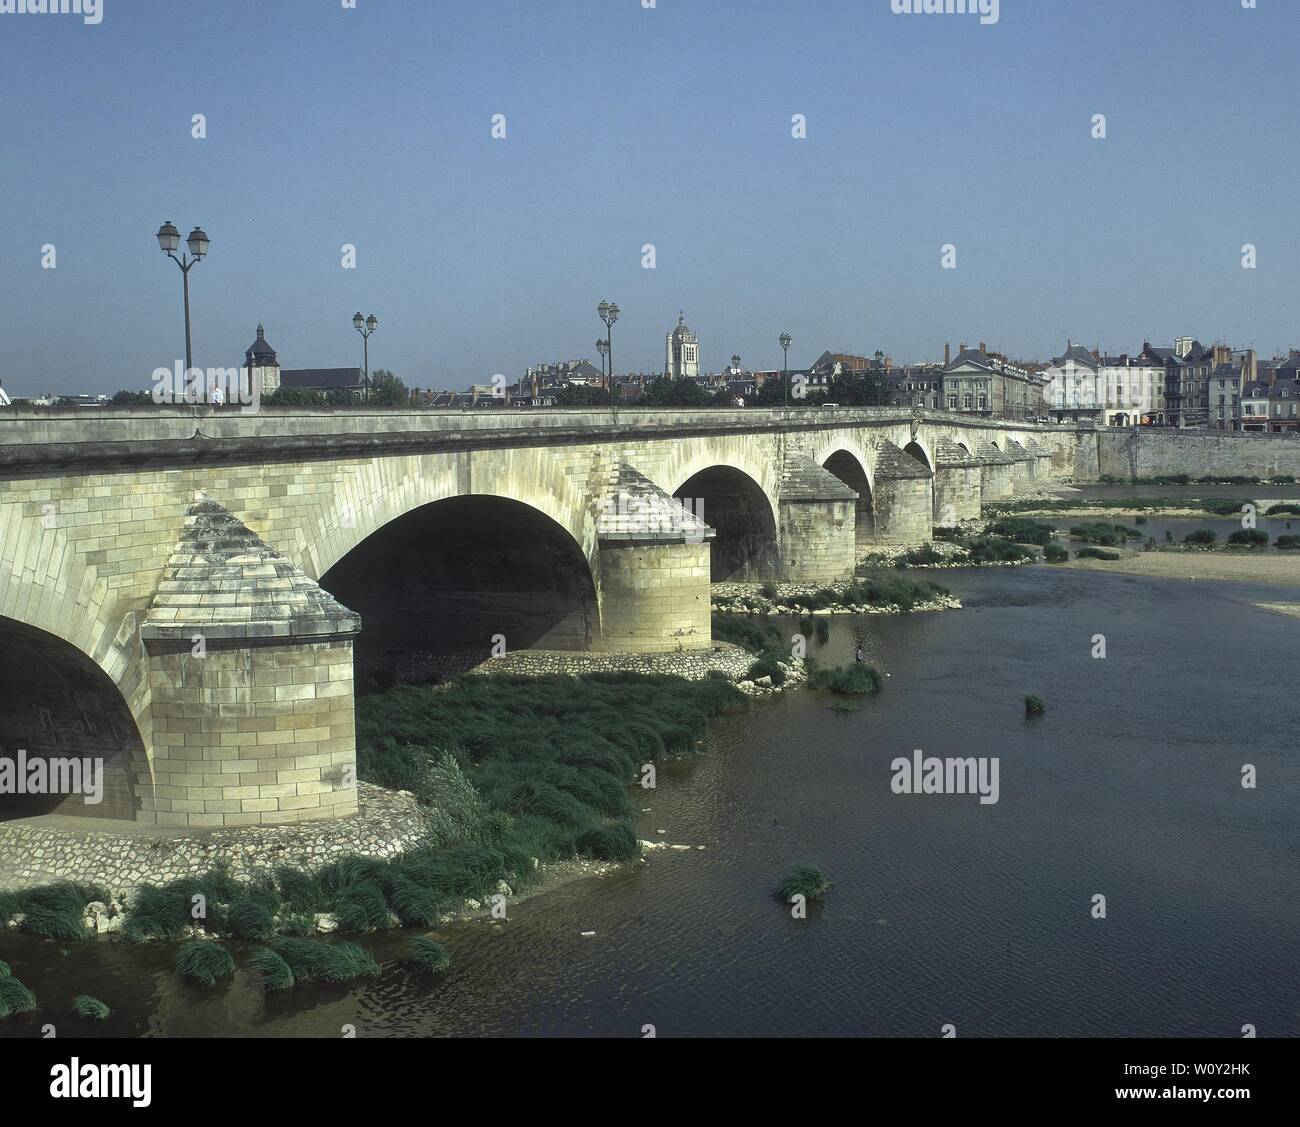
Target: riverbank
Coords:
[(1242, 566)]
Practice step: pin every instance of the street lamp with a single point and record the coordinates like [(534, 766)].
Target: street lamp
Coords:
[(169, 238), (602, 346), (785, 339), (365, 326), (608, 312)]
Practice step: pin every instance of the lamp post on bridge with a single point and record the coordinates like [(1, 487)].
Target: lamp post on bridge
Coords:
[(365, 326), (785, 341), (608, 312), (602, 346), (169, 238)]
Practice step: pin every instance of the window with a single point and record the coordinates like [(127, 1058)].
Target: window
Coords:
[(966, 402), (984, 404), (952, 403)]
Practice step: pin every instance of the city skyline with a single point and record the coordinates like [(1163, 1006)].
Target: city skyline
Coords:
[(483, 254)]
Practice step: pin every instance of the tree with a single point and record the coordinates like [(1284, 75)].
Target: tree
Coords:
[(126, 398), (294, 397), (582, 395), (386, 390), (664, 392)]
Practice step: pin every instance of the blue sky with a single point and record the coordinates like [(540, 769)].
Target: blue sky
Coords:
[(627, 126)]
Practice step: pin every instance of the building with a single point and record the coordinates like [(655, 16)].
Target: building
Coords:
[(980, 383), (266, 375), (1113, 391), (681, 352)]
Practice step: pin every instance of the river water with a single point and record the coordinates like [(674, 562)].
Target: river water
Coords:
[(943, 910)]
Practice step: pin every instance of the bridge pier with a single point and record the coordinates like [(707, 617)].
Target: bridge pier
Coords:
[(817, 524), (654, 571), (904, 498), (1026, 464), (250, 675), (957, 479), (1044, 468), (997, 472)]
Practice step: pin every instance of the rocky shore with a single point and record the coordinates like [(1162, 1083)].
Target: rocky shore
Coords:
[(792, 598)]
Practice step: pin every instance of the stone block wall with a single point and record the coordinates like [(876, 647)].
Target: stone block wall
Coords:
[(253, 736), (654, 598), (1148, 453), (904, 510), (818, 541), (996, 480), (956, 494)]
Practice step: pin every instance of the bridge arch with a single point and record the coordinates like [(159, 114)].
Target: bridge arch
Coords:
[(852, 470), (59, 704), (446, 585), (918, 450), (740, 512)]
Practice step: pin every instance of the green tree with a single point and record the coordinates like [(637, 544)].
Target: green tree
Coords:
[(386, 390), (583, 395), (126, 398), (664, 392), (294, 397)]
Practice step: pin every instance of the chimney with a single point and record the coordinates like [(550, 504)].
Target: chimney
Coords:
[(947, 358), (982, 348)]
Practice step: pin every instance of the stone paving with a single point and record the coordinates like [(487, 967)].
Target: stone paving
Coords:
[(42, 850)]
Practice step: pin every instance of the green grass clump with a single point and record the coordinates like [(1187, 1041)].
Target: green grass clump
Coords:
[(1249, 538), (1034, 705), (996, 549), (1096, 554), (1287, 543), (58, 910), (924, 556), (426, 955), (1201, 536), (1282, 510), (1022, 530), (1224, 506), (204, 961), (312, 960), (15, 998), (947, 532), (1284, 479), (83, 1005), (4, 969), (1108, 535), (857, 679), (276, 973), (250, 918), (807, 881), (1056, 553), (615, 842)]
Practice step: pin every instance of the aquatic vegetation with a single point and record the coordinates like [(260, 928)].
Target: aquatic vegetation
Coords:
[(1022, 530), (204, 961), (313, 960), (1201, 536), (1287, 543), (807, 881), (428, 956), (1035, 705), (1096, 554), (995, 549), (1108, 535), (57, 910), (1248, 538), (83, 1005), (15, 998), (250, 918), (276, 973), (856, 679), (1282, 510), (1056, 553)]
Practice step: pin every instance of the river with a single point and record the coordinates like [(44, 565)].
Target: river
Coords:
[(943, 910)]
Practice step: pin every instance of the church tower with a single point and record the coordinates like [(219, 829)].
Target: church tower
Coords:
[(681, 352), (262, 366)]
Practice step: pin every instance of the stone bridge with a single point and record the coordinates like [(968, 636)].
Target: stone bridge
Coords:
[(182, 590)]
